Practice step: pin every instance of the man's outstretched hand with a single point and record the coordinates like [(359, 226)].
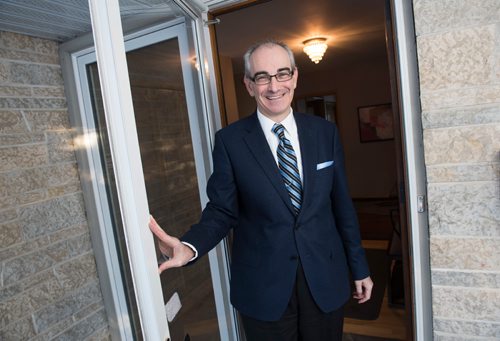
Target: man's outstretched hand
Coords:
[(363, 289), (178, 253)]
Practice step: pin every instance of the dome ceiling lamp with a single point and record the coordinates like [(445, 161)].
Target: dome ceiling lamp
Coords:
[(315, 48)]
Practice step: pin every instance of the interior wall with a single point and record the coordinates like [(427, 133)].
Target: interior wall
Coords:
[(371, 167)]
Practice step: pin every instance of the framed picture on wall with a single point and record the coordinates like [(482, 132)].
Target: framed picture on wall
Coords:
[(376, 123)]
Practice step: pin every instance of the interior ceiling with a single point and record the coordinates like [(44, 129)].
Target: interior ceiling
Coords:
[(354, 29)]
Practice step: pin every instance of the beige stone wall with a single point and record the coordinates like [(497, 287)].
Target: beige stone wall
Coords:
[(48, 286), (458, 44)]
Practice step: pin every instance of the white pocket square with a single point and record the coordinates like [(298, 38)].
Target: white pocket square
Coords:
[(324, 165)]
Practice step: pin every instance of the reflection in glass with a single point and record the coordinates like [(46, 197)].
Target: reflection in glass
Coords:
[(169, 170)]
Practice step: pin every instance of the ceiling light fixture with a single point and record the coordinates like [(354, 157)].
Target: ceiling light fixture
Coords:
[(315, 48)]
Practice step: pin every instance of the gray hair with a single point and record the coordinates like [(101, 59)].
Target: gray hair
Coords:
[(268, 42)]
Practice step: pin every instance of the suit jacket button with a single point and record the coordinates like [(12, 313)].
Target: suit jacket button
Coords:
[(293, 257), (296, 227)]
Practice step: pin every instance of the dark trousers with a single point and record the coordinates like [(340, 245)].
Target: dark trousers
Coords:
[(302, 320)]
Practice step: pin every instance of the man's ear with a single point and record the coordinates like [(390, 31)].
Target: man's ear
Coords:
[(249, 86)]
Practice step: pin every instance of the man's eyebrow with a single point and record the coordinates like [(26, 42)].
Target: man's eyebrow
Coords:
[(267, 73)]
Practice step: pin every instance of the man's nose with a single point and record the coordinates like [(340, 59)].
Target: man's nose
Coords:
[(273, 84)]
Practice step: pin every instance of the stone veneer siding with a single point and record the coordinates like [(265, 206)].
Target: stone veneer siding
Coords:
[(458, 44), (49, 285)]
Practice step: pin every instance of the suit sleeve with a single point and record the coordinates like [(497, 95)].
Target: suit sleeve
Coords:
[(220, 214), (346, 217)]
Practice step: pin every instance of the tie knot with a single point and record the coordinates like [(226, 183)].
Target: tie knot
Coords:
[(279, 130)]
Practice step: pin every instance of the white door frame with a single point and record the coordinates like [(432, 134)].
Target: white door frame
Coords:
[(412, 140)]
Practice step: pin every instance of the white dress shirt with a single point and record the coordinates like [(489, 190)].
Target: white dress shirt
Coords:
[(291, 134)]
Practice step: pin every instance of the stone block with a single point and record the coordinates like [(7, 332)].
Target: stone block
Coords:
[(46, 47), (21, 306), (466, 303), (14, 55), (468, 328), (13, 310), (62, 174), (461, 116), (84, 328), (12, 158), (463, 172), (21, 330), (25, 180), (60, 146), (438, 336), (58, 191), (17, 91), (33, 74), (12, 122), (9, 292), (11, 234), (464, 209), (8, 215), (16, 269), (17, 41), (67, 306), (32, 103), (77, 272), (100, 335), (471, 279), (435, 16), (45, 91), (26, 247), (465, 254), (52, 215), (455, 98), (88, 310), (31, 197), (20, 139), (456, 59), (68, 233), (55, 329), (462, 144), (41, 121)]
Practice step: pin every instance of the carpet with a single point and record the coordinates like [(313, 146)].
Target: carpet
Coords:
[(378, 263), (356, 337)]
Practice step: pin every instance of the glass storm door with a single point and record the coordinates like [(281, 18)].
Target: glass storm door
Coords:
[(174, 134)]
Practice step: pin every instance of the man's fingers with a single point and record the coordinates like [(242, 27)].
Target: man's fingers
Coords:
[(171, 263), (160, 233), (363, 290)]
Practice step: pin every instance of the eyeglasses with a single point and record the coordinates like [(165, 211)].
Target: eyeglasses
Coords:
[(263, 78)]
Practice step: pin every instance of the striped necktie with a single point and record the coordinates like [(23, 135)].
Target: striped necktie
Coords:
[(287, 164)]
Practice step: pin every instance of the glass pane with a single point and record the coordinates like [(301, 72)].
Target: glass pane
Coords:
[(171, 183), (112, 197), (163, 129)]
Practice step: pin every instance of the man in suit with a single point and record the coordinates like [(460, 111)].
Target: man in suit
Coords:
[(279, 183)]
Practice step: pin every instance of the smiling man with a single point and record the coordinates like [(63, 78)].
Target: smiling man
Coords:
[(279, 183)]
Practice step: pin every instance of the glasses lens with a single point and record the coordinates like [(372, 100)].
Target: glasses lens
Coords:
[(284, 75), (262, 78)]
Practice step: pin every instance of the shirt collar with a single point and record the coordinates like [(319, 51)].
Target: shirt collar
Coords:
[(288, 122)]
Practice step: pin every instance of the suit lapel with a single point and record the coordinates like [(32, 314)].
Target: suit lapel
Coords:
[(308, 150), (259, 147)]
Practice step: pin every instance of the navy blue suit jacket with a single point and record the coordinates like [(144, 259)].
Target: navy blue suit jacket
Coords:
[(246, 193)]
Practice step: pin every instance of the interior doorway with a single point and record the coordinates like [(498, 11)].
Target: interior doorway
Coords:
[(354, 85)]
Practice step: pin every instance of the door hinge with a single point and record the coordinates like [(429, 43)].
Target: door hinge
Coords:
[(211, 22), (421, 203)]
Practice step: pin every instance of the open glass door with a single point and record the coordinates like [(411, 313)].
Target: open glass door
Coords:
[(170, 124)]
